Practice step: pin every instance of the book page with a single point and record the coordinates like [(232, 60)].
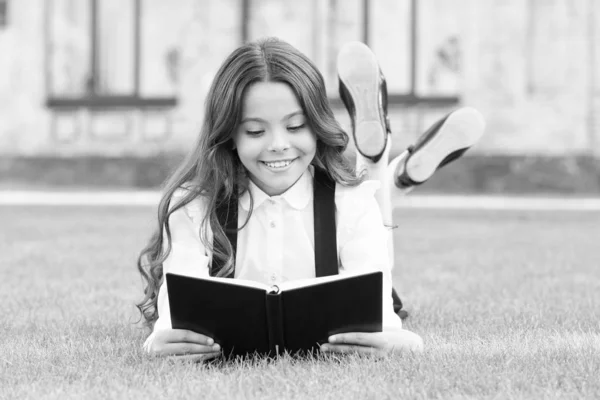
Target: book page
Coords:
[(239, 282), (298, 283), (295, 284)]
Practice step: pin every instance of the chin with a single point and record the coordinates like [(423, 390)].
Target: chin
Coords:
[(281, 187)]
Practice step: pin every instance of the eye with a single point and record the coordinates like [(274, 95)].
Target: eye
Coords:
[(295, 128), (254, 133)]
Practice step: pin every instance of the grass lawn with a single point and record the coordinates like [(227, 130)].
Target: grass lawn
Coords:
[(508, 304)]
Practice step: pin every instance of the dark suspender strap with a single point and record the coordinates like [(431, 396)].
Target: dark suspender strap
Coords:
[(227, 214), (326, 257)]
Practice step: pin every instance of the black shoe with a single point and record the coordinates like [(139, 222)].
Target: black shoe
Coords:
[(403, 314), (398, 306), (363, 90), (442, 143)]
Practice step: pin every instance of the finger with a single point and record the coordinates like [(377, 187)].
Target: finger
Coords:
[(193, 358), (186, 348), (187, 336), (368, 339), (345, 349)]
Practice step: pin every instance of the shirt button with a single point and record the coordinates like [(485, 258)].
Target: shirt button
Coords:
[(273, 278), (272, 224), (271, 201)]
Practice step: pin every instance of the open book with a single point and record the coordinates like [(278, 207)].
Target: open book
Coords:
[(247, 317)]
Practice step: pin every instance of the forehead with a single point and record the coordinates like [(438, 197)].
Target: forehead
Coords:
[(269, 100)]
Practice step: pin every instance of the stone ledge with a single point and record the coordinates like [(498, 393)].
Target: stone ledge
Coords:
[(470, 174)]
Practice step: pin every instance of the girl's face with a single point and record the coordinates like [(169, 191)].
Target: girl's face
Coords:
[(273, 139)]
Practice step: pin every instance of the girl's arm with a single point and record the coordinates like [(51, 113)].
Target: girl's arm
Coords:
[(363, 246), (187, 257), (363, 241)]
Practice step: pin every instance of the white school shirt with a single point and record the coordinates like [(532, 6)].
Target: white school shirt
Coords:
[(277, 244)]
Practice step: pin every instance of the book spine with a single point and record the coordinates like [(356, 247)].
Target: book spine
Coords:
[(275, 322)]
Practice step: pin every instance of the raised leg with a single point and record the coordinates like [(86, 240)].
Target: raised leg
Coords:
[(445, 141), (363, 91), (379, 171)]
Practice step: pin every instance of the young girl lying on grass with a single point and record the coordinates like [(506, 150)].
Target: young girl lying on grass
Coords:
[(267, 128)]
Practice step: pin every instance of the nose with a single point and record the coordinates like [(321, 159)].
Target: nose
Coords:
[(279, 140)]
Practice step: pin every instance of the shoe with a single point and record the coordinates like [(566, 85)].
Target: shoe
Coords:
[(363, 91), (402, 313), (442, 143)]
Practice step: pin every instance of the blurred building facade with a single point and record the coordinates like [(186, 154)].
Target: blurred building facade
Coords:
[(129, 77)]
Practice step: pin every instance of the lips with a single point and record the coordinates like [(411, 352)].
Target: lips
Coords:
[(278, 164)]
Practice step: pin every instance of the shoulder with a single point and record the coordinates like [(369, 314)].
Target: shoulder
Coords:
[(195, 209), (358, 213), (354, 202), (364, 192)]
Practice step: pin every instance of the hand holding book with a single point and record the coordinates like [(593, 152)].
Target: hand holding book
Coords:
[(374, 342), (177, 342), (246, 317)]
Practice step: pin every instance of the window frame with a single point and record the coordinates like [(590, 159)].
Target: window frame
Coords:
[(411, 98), (92, 99), (3, 14)]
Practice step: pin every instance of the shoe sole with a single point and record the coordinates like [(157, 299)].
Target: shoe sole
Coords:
[(359, 71), (461, 130)]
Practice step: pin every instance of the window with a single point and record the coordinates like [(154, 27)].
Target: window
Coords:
[(115, 47), (417, 43), (94, 56)]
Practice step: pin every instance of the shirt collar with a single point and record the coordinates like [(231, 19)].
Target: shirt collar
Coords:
[(297, 196)]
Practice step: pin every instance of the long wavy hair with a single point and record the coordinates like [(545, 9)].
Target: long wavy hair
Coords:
[(213, 170)]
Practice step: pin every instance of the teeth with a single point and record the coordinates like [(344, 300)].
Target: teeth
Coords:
[(278, 164)]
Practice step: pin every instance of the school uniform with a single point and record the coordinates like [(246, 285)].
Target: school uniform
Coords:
[(277, 243)]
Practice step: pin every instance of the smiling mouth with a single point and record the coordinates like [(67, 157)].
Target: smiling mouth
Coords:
[(278, 164)]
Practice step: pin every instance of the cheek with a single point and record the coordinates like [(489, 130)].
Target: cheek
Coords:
[(247, 150), (308, 143), (313, 146), (237, 139)]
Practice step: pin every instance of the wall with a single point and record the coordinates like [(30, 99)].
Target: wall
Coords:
[(531, 67)]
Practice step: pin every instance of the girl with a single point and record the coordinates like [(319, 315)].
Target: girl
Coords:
[(267, 128)]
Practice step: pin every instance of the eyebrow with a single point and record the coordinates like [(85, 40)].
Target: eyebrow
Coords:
[(287, 116)]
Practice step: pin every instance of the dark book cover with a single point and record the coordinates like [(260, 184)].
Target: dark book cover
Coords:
[(247, 317)]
